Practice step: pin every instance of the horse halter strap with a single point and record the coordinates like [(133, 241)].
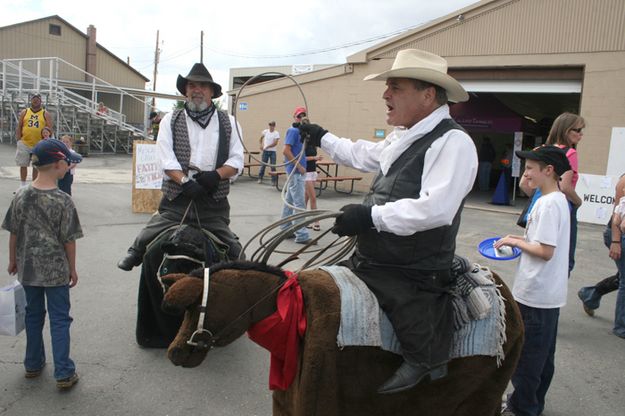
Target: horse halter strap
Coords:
[(203, 338)]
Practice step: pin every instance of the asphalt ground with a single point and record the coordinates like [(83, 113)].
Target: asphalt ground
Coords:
[(120, 378)]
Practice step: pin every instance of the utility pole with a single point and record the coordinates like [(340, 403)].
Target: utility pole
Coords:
[(202, 47), (157, 53)]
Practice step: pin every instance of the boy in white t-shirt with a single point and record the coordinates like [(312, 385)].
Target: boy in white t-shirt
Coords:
[(540, 283), (268, 144)]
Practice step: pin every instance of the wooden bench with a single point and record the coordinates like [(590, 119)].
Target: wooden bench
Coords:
[(277, 175), (249, 167), (322, 182)]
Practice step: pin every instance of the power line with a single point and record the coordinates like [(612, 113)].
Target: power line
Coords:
[(313, 51)]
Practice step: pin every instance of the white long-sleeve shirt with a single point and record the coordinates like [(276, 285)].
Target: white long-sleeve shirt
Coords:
[(449, 171), (204, 145)]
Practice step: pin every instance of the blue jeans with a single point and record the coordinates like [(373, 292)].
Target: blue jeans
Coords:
[(295, 196), (271, 158), (57, 298), (535, 369), (619, 313)]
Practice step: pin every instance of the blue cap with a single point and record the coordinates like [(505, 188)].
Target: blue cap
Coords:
[(50, 150)]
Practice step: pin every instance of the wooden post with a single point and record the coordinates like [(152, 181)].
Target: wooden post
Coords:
[(143, 200)]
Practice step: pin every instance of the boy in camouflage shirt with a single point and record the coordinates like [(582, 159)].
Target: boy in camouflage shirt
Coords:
[(44, 225)]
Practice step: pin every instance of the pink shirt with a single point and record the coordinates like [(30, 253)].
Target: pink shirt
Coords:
[(571, 155)]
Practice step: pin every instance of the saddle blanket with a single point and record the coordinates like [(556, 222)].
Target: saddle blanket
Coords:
[(363, 323)]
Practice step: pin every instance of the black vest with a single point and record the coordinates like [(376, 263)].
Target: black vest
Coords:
[(425, 250), (182, 150)]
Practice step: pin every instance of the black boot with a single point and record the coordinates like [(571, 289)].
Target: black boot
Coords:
[(131, 260), (408, 375)]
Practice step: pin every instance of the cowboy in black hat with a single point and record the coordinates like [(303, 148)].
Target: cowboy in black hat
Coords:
[(201, 152)]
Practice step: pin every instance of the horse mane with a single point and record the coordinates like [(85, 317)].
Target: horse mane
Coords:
[(241, 265)]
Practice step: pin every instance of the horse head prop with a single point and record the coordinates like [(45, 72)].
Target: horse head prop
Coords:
[(219, 312)]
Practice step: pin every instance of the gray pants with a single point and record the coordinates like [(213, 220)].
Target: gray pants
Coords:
[(213, 216)]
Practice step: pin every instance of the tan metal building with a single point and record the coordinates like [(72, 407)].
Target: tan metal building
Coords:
[(538, 57), (54, 37)]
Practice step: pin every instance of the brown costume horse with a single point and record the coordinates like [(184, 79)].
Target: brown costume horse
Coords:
[(330, 381)]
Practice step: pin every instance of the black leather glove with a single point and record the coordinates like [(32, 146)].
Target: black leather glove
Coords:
[(209, 180), (312, 132), (355, 219), (193, 190)]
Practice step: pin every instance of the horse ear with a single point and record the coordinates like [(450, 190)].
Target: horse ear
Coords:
[(170, 279), (185, 292)]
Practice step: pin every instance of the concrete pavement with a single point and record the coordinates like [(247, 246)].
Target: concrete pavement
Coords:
[(118, 377)]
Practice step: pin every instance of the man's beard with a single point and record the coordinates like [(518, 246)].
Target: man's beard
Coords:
[(201, 106)]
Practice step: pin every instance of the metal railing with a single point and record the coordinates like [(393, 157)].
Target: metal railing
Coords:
[(56, 80)]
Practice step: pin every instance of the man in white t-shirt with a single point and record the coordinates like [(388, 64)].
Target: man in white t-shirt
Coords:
[(540, 283), (268, 144)]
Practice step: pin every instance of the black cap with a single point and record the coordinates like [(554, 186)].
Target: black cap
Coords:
[(550, 155)]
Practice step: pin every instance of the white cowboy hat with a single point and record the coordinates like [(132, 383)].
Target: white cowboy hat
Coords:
[(424, 66)]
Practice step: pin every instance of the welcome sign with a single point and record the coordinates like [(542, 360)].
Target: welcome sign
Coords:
[(597, 193)]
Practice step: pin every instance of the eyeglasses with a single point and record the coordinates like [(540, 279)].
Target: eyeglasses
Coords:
[(300, 115), (577, 130)]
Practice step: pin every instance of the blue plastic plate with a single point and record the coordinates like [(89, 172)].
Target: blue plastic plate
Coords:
[(487, 250)]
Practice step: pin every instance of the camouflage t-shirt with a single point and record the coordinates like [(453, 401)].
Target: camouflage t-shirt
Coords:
[(43, 221)]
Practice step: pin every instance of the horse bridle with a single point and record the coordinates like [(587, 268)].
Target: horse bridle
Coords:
[(204, 339)]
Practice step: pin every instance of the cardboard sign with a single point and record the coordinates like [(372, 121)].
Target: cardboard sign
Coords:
[(597, 193), (148, 171)]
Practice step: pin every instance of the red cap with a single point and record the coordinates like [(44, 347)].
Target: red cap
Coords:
[(299, 110)]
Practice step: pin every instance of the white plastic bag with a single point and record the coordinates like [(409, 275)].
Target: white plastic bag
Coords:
[(12, 309)]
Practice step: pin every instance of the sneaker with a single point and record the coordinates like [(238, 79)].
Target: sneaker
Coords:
[(260, 180), (589, 312), (34, 373), (67, 383)]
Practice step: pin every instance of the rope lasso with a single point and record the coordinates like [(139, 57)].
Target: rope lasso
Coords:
[(268, 243)]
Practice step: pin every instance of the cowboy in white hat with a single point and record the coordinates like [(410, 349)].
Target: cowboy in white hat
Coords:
[(200, 152), (407, 224)]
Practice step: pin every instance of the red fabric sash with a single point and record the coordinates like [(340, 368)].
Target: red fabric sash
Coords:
[(281, 332)]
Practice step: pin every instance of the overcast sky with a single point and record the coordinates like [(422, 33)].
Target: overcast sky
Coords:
[(237, 33)]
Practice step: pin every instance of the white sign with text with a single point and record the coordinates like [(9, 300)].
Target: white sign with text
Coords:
[(148, 171), (597, 193)]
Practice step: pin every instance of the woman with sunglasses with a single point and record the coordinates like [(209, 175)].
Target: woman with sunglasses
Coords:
[(566, 132)]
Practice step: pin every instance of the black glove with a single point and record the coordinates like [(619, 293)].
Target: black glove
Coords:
[(209, 180), (355, 219), (193, 190), (312, 132)]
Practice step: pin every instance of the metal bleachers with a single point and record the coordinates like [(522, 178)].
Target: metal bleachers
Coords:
[(69, 102)]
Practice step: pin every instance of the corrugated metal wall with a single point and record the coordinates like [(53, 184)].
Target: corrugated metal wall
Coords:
[(33, 40), (549, 26)]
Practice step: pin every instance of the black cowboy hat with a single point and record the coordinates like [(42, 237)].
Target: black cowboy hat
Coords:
[(198, 73)]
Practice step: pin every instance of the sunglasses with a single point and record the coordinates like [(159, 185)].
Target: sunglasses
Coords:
[(301, 115), (577, 130)]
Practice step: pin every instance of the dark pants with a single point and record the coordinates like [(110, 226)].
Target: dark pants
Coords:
[(65, 184), (535, 369), (213, 216), (573, 239), (418, 304)]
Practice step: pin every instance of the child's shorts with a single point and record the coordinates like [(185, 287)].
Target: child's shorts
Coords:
[(22, 154), (310, 176)]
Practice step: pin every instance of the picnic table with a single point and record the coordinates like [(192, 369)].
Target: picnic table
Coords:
[(324, 178)]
